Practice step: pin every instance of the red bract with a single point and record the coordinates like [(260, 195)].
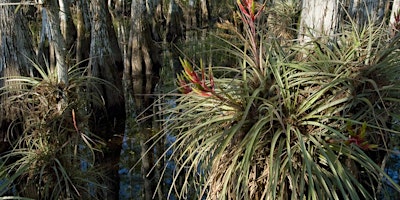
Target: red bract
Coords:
[(397, 20), (189, 73), (248, 9), (199, 85), (184, 87), (202, 93), (359, 138)]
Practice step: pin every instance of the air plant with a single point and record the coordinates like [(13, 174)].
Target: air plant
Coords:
[(249, 16), (46, 156), (289, 136)]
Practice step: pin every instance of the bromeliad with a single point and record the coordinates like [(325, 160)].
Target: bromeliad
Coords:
[(200, 85), (249, 16), (248, 9), (190, 81), (358, 137)]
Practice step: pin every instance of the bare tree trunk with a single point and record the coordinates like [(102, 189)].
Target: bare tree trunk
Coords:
[(367, 11), (141, 75), (83, 31), (318, 18), (67, 26), (106, 63), (15, 51), (190, 19), (57, 41), (205, 13), (174, 23)]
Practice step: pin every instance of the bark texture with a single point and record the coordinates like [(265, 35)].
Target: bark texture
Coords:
[(141, 75), (318, 18), (15, 51), (367, 11), (56, 41), (67, 26), (105, 62)]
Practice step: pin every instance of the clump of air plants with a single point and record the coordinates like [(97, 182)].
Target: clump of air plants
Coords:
[(45, 161), (286, 128)]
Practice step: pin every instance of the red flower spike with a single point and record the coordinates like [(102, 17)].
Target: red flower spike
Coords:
[(243, 10), (248, 8), (184, 87), (189, 73), (397, 20), (199, 85), (358, 138)]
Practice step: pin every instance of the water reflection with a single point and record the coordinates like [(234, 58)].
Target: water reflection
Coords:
[(131, 181)]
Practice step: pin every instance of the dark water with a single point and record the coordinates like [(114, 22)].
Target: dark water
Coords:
[(131, 180)]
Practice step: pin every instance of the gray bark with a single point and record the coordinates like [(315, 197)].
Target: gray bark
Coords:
[(174, 23), (56, 41), (15, 51), (83, 26), (15, 43), (318, 18), (106, 63), (364, 12), (105, 55), (67, 26)]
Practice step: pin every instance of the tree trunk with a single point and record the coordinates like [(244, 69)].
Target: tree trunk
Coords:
[(56, 41), (174, 23), (141, 75), (367, 11), (106, 63), (83, 31), (205, 13), (15, 51), (190, 19), (318, 18), (68, 29)]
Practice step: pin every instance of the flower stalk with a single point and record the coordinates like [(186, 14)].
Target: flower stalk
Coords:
[(189, 81), (249, 17)]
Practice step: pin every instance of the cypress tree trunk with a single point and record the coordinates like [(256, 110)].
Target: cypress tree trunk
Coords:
[(68, 29), (57, 41), (366, 11), (106, 63), (15, 51), (83, 27), (141, 75), (318, 18)]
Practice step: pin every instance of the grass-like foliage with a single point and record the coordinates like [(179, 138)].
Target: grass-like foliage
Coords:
[(52, 150), (298, 122)]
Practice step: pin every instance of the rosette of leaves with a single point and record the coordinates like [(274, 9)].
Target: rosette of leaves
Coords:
[(305, 122), (53, 154)]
